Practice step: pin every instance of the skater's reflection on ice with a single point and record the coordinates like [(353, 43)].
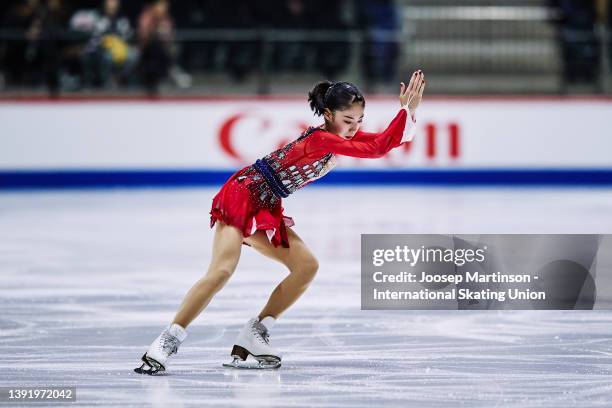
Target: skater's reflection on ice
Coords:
[(255, 387), (159, 393)]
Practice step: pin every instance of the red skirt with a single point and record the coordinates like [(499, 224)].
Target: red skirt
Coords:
[(236, 205)]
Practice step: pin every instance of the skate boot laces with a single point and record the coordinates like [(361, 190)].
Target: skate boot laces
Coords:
[(260, 331), (169, 343)]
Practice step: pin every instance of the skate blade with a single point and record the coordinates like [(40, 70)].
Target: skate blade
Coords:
[(253, 364), (150, 366)]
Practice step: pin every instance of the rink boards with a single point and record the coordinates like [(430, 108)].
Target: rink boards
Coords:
[(203, 141)]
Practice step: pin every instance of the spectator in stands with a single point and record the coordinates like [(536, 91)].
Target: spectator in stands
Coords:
[(604, 19), (20, 58), (107, 50), (292, 55), (243, 56), (579, 43), (381, 22), (48, 35), (332, 56), (193, 15), (156, 41), (209, 54)]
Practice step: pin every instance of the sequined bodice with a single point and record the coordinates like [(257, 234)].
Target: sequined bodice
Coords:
[(296, 176), (312, 155), (291, 166)]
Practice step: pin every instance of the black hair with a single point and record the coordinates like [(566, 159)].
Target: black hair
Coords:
[(334, 96)]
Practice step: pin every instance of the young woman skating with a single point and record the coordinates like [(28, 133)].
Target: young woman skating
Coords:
[(248, 210)]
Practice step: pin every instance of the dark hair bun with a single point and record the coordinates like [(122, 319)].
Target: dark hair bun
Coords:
[(316, 97), (340, 97)]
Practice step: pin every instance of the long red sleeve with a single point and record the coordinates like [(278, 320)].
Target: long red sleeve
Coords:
[(364, 145), (409, 132)]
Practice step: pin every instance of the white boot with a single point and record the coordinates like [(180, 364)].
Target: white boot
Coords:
[(254, 340), (164, 346)]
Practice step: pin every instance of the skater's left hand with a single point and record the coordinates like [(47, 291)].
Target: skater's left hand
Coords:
[(411, 95)]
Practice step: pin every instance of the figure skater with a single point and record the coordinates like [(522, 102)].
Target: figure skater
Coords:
[(248, 210)]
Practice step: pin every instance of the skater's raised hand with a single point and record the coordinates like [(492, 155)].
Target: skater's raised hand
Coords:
[(411, 95)]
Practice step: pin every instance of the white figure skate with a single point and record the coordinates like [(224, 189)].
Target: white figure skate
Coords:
[(253, 341), (164, 346)]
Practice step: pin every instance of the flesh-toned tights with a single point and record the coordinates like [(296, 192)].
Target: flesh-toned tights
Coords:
[(227, 245)]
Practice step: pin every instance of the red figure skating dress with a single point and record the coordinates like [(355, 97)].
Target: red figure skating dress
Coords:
[(251, 199)]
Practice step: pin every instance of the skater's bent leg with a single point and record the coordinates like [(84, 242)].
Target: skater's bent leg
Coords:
[(227, 244), (302, 266)]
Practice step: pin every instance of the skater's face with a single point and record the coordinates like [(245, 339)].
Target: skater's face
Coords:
[(345, 123)]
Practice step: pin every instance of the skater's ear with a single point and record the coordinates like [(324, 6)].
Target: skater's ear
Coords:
[(328, 115)]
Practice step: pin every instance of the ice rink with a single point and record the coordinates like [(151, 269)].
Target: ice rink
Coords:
[(90, 278)]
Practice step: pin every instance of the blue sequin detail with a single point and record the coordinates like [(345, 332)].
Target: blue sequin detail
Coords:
[(264, 168)]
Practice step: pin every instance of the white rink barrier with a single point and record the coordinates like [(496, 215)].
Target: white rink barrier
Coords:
[(218, 135)]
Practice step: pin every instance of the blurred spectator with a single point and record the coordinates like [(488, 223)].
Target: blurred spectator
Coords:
[(107, 50), (21, 58), (332, 56), (579, 43), (48, 34), (380, 48), (217, 15), (156, 40), (189, 15), (243, 56), (604, 19), (292, 55)]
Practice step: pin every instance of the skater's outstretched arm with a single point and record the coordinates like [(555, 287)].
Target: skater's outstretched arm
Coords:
[(410, 98), (373, 145), (407, 134), (327, 142)]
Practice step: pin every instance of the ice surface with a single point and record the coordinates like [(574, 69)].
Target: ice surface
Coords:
[(89, 278)]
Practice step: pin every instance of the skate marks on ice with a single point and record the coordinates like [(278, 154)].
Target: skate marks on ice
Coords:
[(437, 359), (89, 279)]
